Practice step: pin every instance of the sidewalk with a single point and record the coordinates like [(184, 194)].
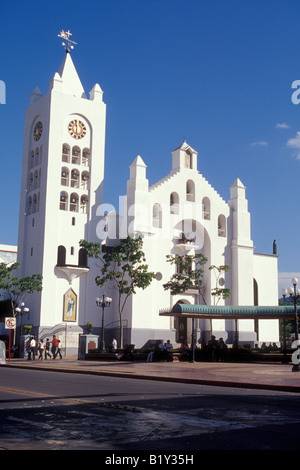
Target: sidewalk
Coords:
[(268, 376)]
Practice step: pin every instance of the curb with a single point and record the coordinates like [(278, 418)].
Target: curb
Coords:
[(216, 383)]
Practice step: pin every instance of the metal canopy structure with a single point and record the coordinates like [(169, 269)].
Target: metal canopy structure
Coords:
[(286, 312)]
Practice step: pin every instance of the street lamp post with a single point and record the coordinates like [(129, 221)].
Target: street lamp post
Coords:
[(21, 309), (104, 302), (294, 294)]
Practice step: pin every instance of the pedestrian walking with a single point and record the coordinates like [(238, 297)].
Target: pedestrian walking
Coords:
[(47, 348), (59, 346), (54, 347), (32, 347), (41, 349)]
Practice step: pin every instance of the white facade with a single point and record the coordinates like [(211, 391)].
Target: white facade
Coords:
[(61, 197), (62, 185), (185, 203)]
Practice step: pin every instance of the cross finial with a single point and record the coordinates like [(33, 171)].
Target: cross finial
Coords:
[(67, 43)]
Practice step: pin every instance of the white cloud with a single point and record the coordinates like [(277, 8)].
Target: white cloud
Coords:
[(260, 143), (282, 125), (294, 143)]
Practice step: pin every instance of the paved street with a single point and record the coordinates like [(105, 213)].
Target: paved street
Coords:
[(45, 409)]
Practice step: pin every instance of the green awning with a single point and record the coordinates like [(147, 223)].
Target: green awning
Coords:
[(229, 312)]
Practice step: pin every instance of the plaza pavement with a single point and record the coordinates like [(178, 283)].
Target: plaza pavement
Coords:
[(268, 376)]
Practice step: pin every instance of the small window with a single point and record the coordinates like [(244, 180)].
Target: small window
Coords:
[(73, 220)]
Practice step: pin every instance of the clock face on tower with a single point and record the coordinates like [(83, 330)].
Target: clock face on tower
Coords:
[(37, 131), (77, 129)]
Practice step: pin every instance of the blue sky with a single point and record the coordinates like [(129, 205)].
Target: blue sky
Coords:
[(218, 73)]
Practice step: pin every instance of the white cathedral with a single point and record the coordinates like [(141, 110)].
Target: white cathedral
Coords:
[(62, 203)]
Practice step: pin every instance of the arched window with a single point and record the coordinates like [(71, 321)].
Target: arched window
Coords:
[(30, 183), (76, 155), (37, 156), (206, 208), (75, 178), (85, 178), (174, 203), (86, 157), (61, 256), (157, 216), (222, 226), (34, 205), (74, 202), (36, 179), (190, 191), (82, 257), (84, 200), (255, 292), (63, 201), (64, 181), (65, 153), (31, 165), (29, 205)]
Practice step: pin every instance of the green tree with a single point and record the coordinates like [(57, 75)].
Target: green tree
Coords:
[(220, 292), (189, 274), (17, 287), (123, 264)]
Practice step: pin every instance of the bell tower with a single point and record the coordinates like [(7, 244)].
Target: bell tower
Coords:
[(62, 185)]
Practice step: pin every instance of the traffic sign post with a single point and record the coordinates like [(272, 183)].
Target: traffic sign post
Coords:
[(10, 324)]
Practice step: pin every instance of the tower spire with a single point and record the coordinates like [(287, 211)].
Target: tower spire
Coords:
[(67, 43)]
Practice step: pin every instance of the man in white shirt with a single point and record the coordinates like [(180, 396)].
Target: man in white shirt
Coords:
[(32, 347)]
